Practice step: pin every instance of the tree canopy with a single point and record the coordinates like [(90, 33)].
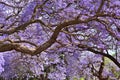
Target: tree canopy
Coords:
[(63, 39)]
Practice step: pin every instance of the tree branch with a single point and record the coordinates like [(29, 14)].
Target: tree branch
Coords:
[(57, 31), (21, 27), (101, 53)]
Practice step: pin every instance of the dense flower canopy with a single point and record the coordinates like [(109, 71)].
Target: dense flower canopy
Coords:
[(60, 39)]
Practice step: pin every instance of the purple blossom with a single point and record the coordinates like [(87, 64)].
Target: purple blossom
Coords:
[(60, 39)]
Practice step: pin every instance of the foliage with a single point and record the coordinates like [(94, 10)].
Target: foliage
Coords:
[(60, 39)]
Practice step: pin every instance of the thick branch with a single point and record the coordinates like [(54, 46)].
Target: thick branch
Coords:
[(11, 46), (57, 31), (101, 53), (17, 47)]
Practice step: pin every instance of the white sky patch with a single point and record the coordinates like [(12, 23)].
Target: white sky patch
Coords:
[(111, 52), (40, 17)]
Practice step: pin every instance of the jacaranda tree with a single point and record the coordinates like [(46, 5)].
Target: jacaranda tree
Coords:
[(60, 39)]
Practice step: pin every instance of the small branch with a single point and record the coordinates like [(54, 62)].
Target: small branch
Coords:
[(9, 5), (21, 27), (24, 41), (101, 5)]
